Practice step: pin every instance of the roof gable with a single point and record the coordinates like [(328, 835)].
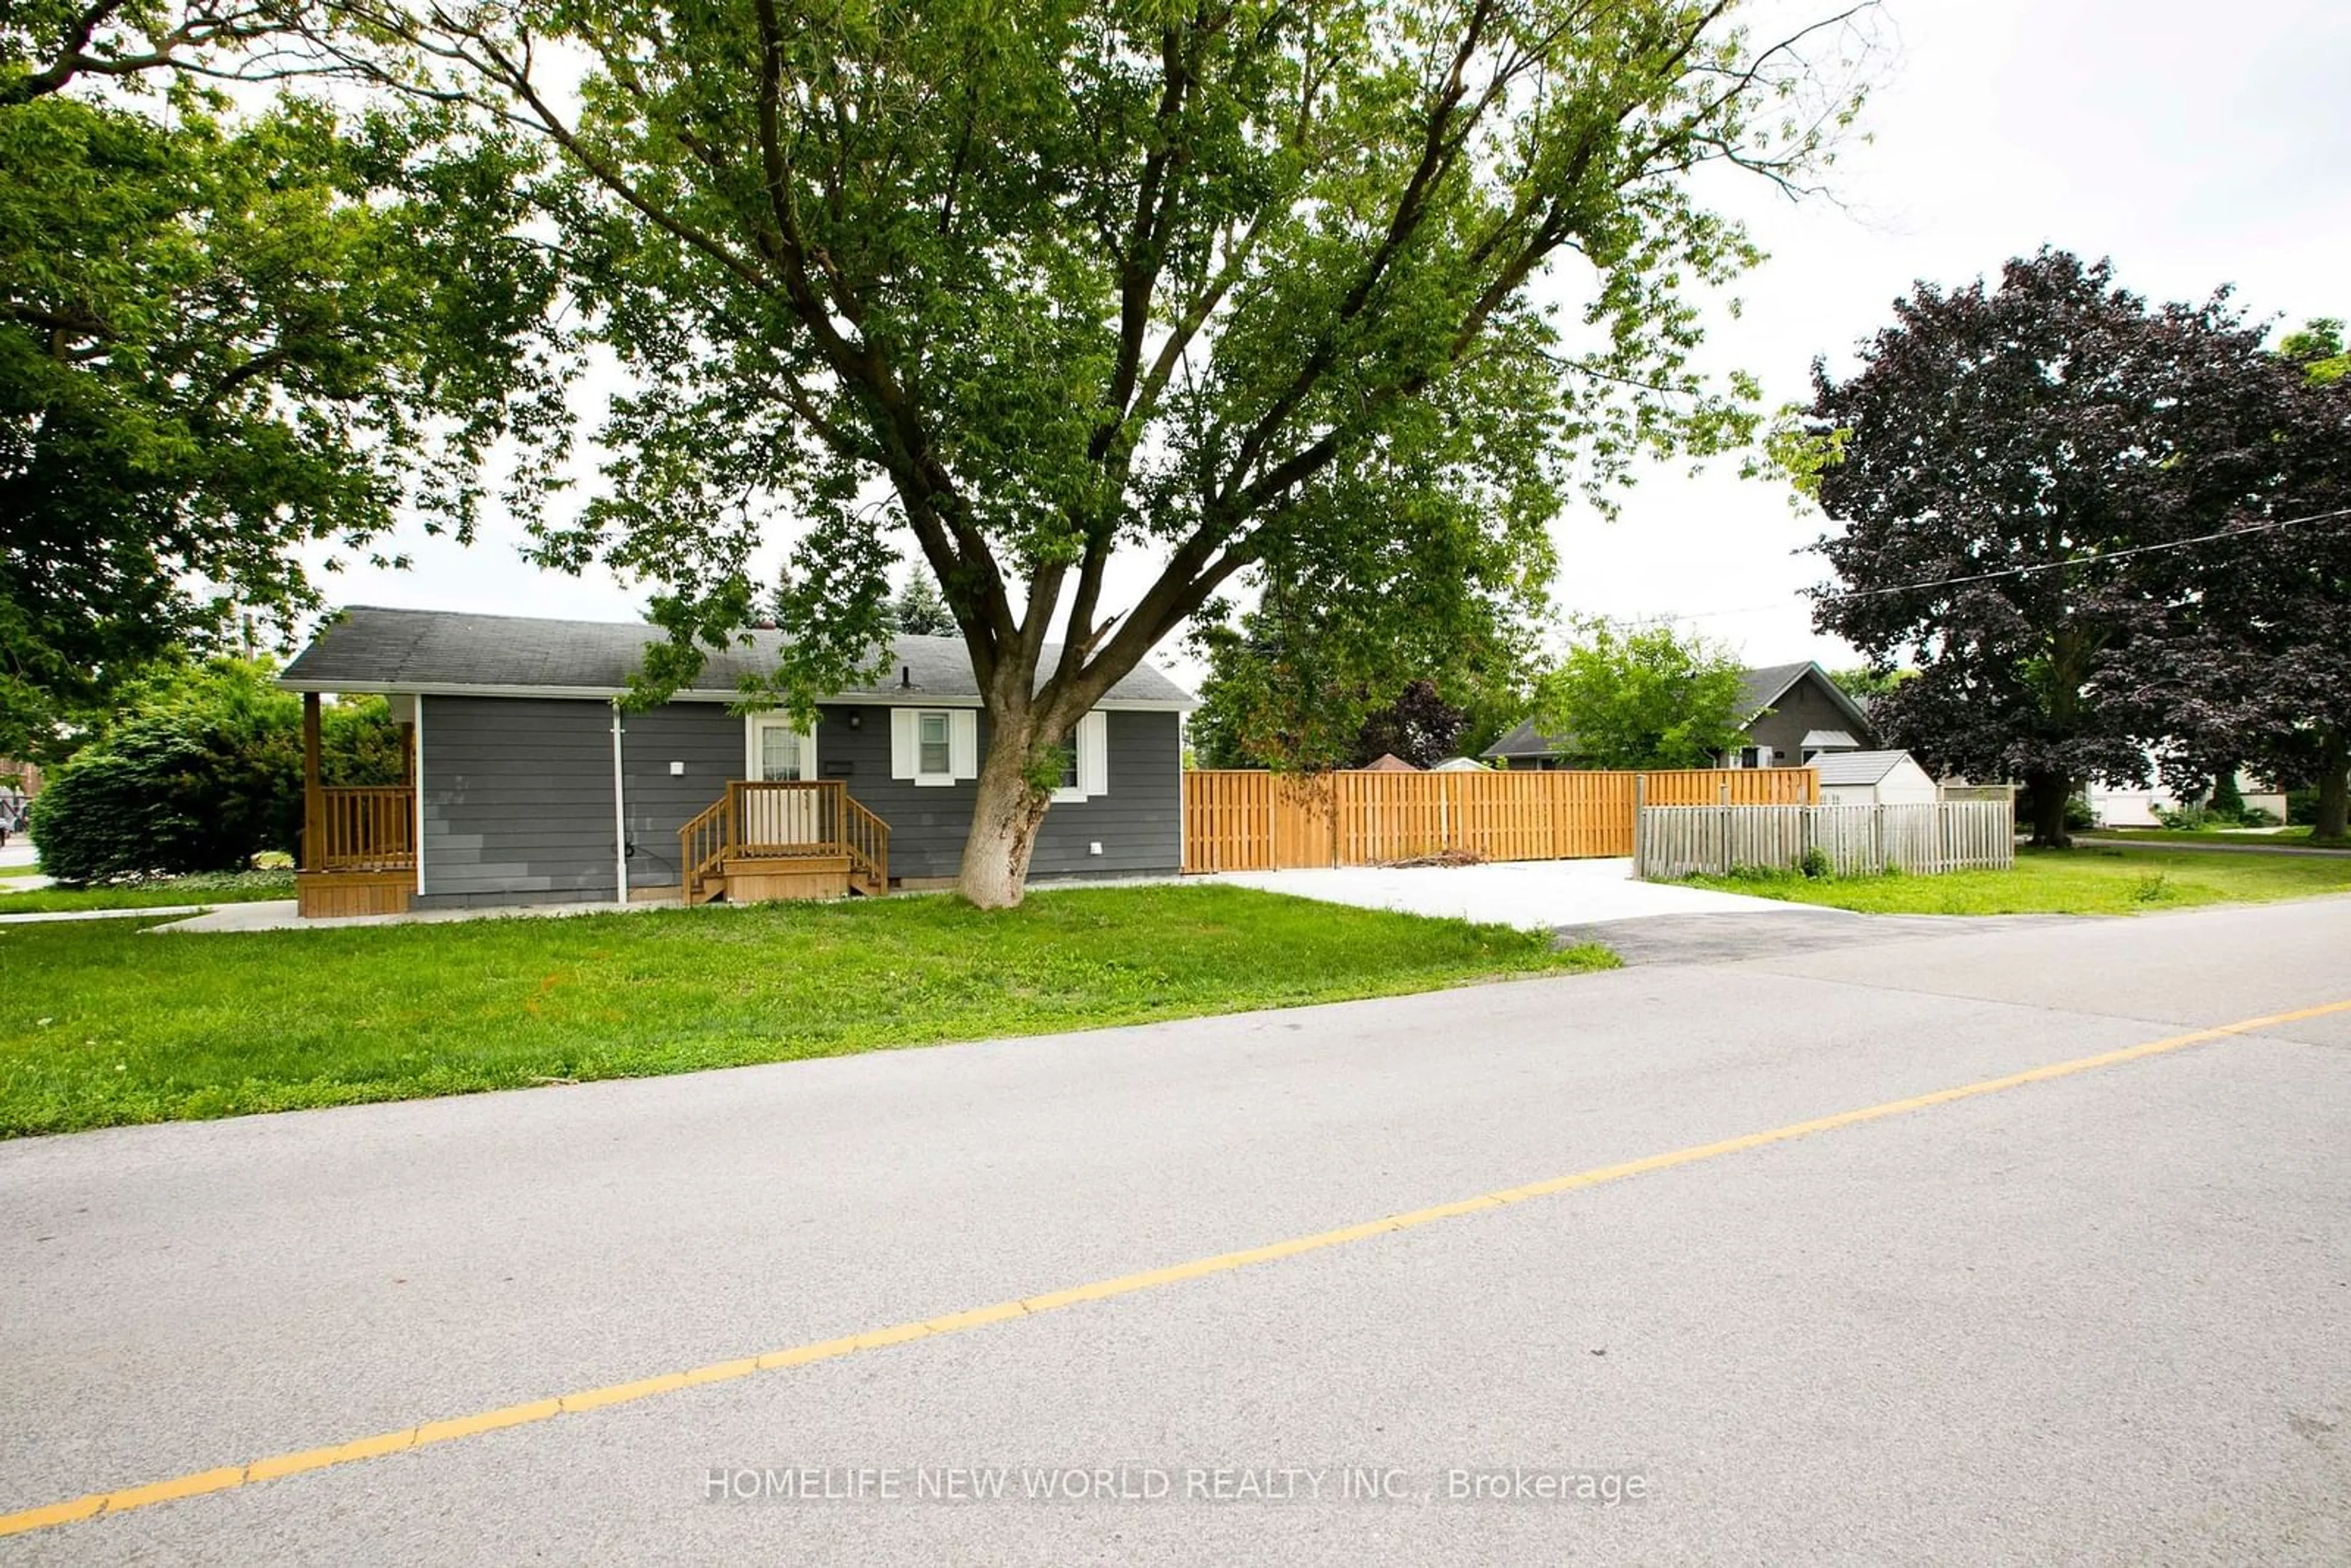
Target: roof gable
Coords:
[(1767, 685), (1762, 689)]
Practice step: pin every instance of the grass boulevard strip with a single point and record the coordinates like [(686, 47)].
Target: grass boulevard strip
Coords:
[(2093, 879), (230, 1476)]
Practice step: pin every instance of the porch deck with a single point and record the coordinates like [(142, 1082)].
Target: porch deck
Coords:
[(359, 841), (767, 839), (761, 839)]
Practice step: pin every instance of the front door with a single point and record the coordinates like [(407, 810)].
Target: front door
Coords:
[(780, 753)]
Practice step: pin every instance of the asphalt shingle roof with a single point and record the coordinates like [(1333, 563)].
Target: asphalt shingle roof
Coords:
[(368, 648)]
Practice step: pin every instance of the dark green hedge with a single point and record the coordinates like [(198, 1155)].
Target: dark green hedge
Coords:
[(205, 773)]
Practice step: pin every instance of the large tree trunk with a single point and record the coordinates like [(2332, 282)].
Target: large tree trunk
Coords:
[(2333, 787), (2050, 794), (1005, 816)]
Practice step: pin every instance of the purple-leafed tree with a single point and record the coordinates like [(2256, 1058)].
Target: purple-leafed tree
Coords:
[(2003, 454), (2255, 656)]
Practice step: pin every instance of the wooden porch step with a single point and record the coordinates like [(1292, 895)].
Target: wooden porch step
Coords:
[(759, 879)]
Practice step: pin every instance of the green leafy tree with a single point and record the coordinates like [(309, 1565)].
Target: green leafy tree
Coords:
[(1299, 684), (2318, 350), (1648, 697), (201, 771), (1866, 683), (233, 337), (1225, 289), (919, 612)]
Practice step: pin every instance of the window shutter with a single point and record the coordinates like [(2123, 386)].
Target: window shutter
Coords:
[(901, 743), (1093, 754), (963, 743)]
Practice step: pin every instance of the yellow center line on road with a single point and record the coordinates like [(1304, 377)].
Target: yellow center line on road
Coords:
[(228, 1476)]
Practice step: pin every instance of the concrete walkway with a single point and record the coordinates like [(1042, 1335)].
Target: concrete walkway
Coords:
[(2255, 847), (47, 915), (278, 915), (1547, 895)]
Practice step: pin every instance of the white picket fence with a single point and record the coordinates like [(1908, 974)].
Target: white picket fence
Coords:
[(1672, 842)]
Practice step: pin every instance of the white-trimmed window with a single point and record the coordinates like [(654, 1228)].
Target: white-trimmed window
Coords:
[(934, 757), (1085, 769), (779, 750), (933, 746)]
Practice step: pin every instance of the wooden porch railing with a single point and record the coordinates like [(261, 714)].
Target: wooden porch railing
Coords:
[(867, 839), (702, 846), (368, 827), (781, 819)]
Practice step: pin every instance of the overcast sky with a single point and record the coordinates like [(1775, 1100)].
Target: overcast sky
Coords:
[(2196, 145)]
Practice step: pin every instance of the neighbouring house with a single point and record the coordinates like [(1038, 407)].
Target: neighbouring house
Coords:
[(529, 782), (1797, 713), (1874, 778), (1460, 765), (1389, 762), (2112, 807)]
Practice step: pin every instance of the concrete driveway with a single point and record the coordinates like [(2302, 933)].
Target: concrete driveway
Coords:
[(1548, 895)]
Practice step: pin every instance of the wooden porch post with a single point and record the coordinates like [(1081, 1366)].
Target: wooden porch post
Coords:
[(314, 798)]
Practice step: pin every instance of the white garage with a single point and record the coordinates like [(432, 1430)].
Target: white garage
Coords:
[(1874, 778)]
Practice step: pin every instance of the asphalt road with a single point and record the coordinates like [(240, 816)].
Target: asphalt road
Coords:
[(2103, 1317)]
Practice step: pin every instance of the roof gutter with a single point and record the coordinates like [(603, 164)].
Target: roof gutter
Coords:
[(893, 698)]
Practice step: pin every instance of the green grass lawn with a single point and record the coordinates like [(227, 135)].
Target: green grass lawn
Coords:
[(2086, 880), (101, 1023), (224, 887)]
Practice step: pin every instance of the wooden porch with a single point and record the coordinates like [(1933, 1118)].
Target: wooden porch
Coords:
[(783, 838), (359, 841)]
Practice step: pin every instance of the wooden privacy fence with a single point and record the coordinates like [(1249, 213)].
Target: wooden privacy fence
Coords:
[(1248, 821), (1854, 841)]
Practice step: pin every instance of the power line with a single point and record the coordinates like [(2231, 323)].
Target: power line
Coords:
[(2003, 572), (2085, 560)]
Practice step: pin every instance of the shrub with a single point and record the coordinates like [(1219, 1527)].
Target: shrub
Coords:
[(2301, 807), (203, 774), (1815, 863), (2192, 818)]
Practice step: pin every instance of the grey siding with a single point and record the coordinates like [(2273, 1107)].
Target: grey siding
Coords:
[(1139, 823), (517, 799), (1803, 710), (927, 825), (518, 796), (703, 736)]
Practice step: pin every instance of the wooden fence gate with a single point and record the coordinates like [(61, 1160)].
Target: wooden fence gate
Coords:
[(1250, 821)]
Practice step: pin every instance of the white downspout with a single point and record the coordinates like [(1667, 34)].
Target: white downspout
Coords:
[(619, 818), (416, 781)]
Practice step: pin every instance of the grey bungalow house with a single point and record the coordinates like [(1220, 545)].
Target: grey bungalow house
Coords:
[(528, 782), (1795, 714)]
